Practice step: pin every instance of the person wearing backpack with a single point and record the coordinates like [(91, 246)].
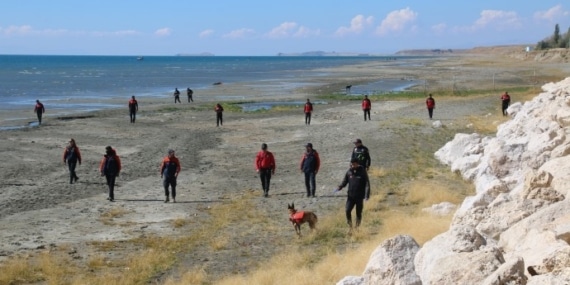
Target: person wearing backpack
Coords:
[(71, 156), (169, 169), (110, 167), (310, 164)]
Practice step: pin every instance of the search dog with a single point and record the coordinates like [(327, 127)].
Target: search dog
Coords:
[(297, 218)]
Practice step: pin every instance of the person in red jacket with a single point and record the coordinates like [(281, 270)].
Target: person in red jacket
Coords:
[(71, 156), (265, 166), (430, 104), (133, 108), (308, 111), (39, 110), (366, 106), (506, 100), (169, 169), (310, 164), (110, 167)]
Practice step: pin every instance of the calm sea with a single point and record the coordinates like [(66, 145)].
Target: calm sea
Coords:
[(82, 83)]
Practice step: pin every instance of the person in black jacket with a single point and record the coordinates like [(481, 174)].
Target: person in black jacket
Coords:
[(361, 153), (358, 190)]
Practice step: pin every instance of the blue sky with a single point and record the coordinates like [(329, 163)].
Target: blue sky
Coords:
[(168, 27)]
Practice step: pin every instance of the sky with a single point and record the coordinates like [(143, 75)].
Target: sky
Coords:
[(266, 27)]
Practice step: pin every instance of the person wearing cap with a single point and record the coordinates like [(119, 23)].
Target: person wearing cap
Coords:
[(265, 166), (71, 156), (366, 106), (310, 164), (110, 167), (308, 111), (358, 191), (169, 169), (360, 152), (39, 109), (133, 108)]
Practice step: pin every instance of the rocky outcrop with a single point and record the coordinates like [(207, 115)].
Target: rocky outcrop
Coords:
[(516, 228)]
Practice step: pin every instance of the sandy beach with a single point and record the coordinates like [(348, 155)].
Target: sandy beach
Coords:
[(40, 210)]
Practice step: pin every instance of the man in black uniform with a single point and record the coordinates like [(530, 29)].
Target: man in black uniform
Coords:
[(358, 190), (360, 152)]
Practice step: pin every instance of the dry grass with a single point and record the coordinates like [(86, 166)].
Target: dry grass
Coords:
[(107, 218)]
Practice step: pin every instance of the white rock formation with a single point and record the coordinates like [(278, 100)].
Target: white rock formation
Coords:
[(516, 228)]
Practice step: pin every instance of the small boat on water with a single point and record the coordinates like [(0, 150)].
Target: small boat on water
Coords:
[(140, 58)]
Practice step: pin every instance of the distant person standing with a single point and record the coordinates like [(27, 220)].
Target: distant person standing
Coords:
[(71, 156), (169, 169), (430, 104), (310, 164), (361, 154), (265, 166), (176, 96), (219, 114), (506, 100), (40, 110), (358, 191), (189, 92), (110, 167), (133, 109), (308, 111), (366, 106)]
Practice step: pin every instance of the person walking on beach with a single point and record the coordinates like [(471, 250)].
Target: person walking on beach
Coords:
[(110, 167), (40, 110), (176, 96), (358, 191), (310, 164), (430, 104), (506, 100), (133, 109), (265, 166), (169, 169), (219, 114), (71, 156), (308, 111), (366, 106), (189, 92), (361, 154)]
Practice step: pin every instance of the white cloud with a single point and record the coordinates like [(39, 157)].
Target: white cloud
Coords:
[(163, 32), (492, 19), (282, 31), (497, 19), (27, 30), (397, 21), (291, 29), (552, 14), (239, 34), (357, 25), (206, 33), (303, 32), (439, 28)]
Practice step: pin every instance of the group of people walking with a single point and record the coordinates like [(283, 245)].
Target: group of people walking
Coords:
[(356, 176), (110, 167)]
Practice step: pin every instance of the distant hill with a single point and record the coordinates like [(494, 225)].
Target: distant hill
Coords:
[(196, 54), (324, 53), (427, 51)]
